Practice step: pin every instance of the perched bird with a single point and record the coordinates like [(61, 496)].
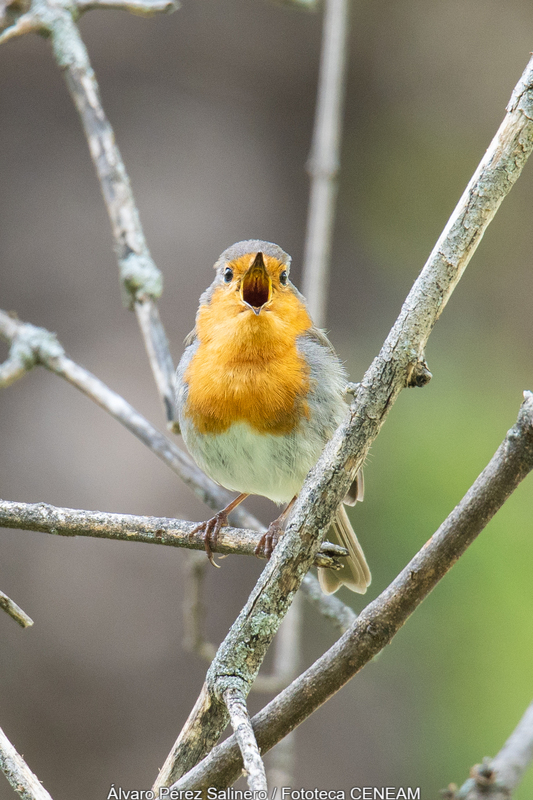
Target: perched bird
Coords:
[(259, 392)]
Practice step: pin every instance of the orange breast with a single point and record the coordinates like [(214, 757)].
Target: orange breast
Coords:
[(247, 367)]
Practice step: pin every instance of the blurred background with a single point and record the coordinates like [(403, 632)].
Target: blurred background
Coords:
[(213, 109)]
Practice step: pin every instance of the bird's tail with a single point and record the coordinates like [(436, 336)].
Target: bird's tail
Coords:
[(354, 573)]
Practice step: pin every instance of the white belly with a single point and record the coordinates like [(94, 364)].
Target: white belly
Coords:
[(244, 460)]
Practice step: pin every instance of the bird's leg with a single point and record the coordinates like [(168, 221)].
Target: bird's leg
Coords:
[(211, 527), (270, 538)]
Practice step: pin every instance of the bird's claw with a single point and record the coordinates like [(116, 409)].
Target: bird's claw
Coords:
[(269, 540), (210, 529)]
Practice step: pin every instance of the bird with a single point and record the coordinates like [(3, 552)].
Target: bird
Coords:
[(259, 392)]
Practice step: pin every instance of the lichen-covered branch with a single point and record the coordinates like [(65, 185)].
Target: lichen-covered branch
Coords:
[(497, 778), (240, 655), (17, 772), (380, 620), (150, 530), (244, 734), (15, 611)]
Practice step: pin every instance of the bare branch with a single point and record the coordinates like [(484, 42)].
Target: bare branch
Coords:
[(240, 655), (157, 349), (338, 613), (380, 620), (10, 371), (251, 757), (27, 23), (144, 7), (193, 608), (323, 165), (15, 611), (151, 530), (496, 779), (141, 280), (19, 775)]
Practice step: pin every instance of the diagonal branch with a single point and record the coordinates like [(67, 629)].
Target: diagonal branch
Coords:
[(240, 655), (380, 620), (19, 775), (15, 611), (141, 280), (150, 530), (241, 724)]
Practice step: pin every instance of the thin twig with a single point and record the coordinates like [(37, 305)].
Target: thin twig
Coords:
[(287, 656), (497, 778), (333, 609), (323, 164), (19, 775), (381, 619), (144, 7), (141, 280), (251, 757), (15, 611), (150, 530), (240, 655), (10, 371), (194, 567)]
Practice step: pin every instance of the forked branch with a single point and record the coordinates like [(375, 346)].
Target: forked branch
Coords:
[(380, 620)]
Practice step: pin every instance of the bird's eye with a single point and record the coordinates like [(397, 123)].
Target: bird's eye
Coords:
[(228, 275), (283, 277)]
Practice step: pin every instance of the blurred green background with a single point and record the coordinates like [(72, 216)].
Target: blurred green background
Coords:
[(213, 109)]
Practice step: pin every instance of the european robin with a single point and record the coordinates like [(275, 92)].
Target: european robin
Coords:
[(259, 392)]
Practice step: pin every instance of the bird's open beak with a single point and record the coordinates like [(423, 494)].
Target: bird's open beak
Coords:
[(256, 285)]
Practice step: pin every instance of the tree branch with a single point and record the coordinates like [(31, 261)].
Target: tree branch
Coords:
[(240, 655), (323, 164), (19, 775), (15, 611), (497, 778), (150, 530), (377, 624), (141, 280), (244, 734), (145, 7)]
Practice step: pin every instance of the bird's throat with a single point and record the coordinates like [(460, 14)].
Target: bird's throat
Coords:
[(247, 367)]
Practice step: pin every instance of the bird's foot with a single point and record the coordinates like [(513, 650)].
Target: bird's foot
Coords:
[(210, 530), (211, 527), (269, 539)]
